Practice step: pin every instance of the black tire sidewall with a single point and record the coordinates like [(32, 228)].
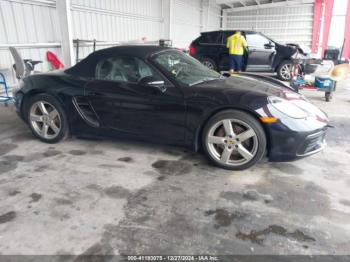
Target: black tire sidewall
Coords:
[(285, 62), (244, 117), (54, 102)]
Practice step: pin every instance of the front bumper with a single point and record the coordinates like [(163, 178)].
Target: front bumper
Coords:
[(292, 146)]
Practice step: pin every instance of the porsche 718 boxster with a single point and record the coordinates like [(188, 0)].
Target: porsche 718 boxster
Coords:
[(162, 95)]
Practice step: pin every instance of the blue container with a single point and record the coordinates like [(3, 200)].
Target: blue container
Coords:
[(324, 83)]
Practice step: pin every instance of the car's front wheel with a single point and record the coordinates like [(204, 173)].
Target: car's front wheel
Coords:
[(284, 70), (234, 140), (47, 118)]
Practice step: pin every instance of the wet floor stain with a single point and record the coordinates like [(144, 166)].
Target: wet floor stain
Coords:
[(172, 167), (77, 152), (14, 192), (289, 195), (110, 166), (116, 192), (6, 166), (96, 249), (35, 197), (126, 159), (41, 168), (248, 195), (13, 158), (51, 152), (7, 217), (259, 236), (224, 218), (6, 148), (63, 202)]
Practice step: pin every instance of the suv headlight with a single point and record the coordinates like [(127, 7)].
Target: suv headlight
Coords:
[(287, 108)]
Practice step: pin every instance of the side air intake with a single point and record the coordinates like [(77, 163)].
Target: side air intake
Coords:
[(86, 111)]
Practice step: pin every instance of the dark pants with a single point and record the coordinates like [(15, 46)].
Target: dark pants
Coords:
[(236, 62)]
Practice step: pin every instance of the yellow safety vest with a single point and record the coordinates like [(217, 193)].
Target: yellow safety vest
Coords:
[(236, 44)]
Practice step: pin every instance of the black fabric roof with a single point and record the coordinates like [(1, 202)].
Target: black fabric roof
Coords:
[(86, 67)]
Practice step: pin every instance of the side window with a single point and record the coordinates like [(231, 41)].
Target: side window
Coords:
[(210, 38), (226, 35), (124, 69), (256, 40)]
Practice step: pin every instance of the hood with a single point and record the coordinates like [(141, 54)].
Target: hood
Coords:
[(257, 85), (301, 48)]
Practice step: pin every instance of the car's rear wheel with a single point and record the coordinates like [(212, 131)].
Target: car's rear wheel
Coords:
[(284, 70), (234, 140), (47, 118), (208, 62)]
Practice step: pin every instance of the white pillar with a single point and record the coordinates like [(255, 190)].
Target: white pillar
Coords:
[(63, 8)]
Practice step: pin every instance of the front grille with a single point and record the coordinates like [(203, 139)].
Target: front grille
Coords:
[(312, 144)]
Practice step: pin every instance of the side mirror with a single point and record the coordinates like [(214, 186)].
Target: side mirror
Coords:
[(269, 45), (153, 82)]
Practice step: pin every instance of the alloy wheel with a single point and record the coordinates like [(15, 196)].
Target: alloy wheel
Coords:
[(208, 64), (232, 142), (286, 71), (45, 120)]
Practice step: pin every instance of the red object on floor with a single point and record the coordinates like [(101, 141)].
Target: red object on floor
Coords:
[(54, 61), (346, 48), (316, 27), (328, 13)]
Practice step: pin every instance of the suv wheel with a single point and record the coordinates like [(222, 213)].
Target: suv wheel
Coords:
[(234, 140), (210, 63), (284, 70)]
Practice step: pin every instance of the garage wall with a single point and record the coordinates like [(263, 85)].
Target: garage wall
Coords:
[(116, 21), (189, 18), (282, 24), (33, 26)]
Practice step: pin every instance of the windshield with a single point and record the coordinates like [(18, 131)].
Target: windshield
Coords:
[(184, 68)]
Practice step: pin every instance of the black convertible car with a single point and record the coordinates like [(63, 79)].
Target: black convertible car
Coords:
[(163, 95)]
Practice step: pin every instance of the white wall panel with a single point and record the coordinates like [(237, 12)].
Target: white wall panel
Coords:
[(27, 22), (185, 21), (283, 24)]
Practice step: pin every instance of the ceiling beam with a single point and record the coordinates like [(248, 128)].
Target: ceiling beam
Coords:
[(271, 5)]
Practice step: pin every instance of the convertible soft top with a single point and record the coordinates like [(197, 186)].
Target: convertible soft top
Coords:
[(86, 67)]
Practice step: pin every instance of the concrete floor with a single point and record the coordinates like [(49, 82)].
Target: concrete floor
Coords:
[(120, 197)]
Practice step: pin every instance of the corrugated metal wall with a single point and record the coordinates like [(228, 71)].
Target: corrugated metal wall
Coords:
[(110, 20), (189, 18), (26, 23), (283, 24)]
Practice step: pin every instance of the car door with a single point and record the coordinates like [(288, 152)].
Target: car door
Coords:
[(224, 57), (261, 52), (124, 103)]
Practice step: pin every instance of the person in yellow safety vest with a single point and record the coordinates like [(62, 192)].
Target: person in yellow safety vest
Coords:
[(236, 44)]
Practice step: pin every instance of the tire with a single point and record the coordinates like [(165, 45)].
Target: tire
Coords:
[(210, 63), (281, 70), (50, 126), (231, 152)]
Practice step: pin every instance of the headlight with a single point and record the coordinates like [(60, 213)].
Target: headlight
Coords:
[(287, 107)]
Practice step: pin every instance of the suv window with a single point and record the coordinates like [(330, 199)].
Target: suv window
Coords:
[(226, 35), (124, 69), (210, 38), (256, 40)]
